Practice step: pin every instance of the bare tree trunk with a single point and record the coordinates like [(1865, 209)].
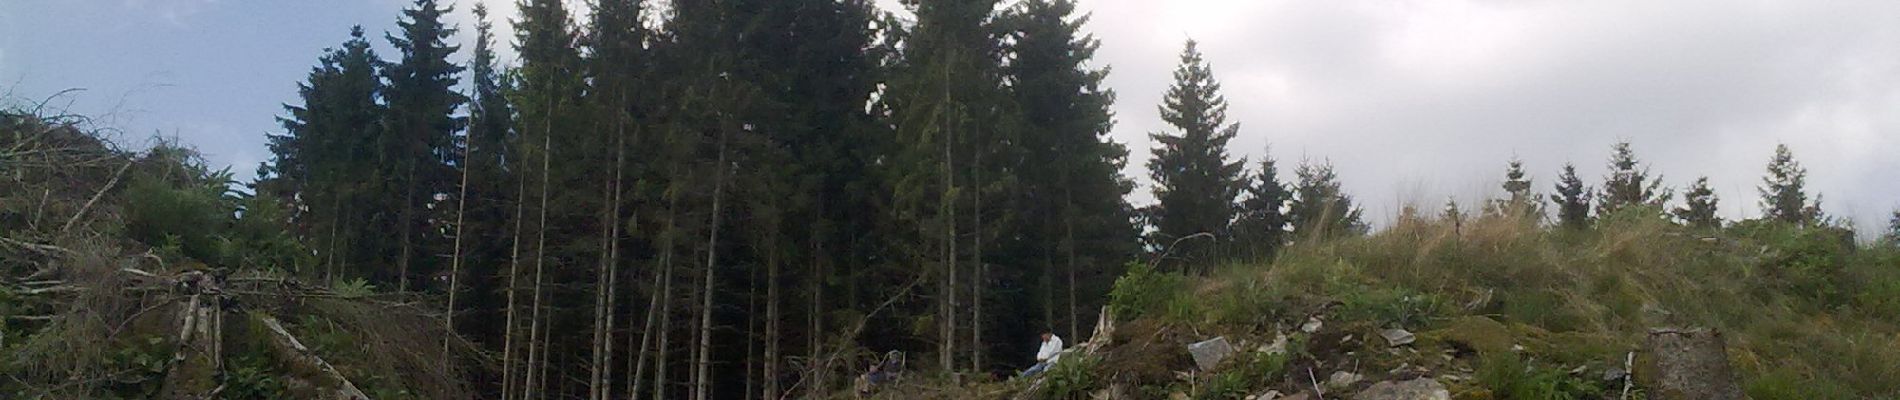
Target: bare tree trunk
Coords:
[(947, 212), (976, 278), (455, 262), (514, 264), (1069, 240), (772, 326), (815, 316), (666, 298), (407, 228), (598, 343), (613, 272), (656, 309), (704, 374), (537, 361)]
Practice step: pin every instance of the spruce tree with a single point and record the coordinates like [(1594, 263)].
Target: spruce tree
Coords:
[(1518, 199), (319, 161), (1783, 191), (1079, 228), (1628, 184), (1699, 206), (1195, 182), (1572, 199), (1261, 227), (418, 149), (1320, 208), (1893, 228)]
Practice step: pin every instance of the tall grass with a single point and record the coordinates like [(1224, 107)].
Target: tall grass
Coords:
[(1808, 312)]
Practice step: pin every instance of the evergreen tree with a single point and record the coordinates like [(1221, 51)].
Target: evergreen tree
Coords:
[(547, 98), (1572, 199), (1081, 228), (1699, 206), (418, 150), (320, 162), (1320, 208), (1195, 182), (1262, 225), (1893, 228), (1784, 194), (1519, 200), (1628, 184)]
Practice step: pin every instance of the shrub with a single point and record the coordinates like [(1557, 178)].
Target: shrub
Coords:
[(1511, 377), (1072, 377), (1144, 291)]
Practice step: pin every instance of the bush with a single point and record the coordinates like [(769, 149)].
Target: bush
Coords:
[(1073, 377), (1144, 291)]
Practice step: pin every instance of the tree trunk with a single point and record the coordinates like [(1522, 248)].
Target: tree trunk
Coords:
[(657, 306), (702, 377), (514, 264), (537, 361), (947, 213), (815, 375), (455, 261), (772, 326), (1069, 246), (976, 279), (406, 227)]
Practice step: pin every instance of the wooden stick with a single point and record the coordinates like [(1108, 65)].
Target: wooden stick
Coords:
[(95, 196)]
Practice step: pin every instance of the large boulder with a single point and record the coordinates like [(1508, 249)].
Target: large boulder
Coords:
[(1687, 364), (1416, 389)]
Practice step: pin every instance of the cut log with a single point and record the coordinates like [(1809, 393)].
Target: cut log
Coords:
[(290, 350)]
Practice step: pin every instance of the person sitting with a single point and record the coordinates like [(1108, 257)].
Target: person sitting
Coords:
[(1046, 355)]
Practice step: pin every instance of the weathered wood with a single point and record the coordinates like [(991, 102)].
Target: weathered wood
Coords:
[(292, 350)]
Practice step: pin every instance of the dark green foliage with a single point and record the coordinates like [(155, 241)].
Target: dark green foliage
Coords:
[(1261, 227), (1893, 228), (1572, 199), (1145, 291), (250, 376), (1320, 208), (1073, 377), (1699, 206), (324, 161), (1195, 182), (1783, 192), (1078, 228), (1628, 183), (1518, 199)]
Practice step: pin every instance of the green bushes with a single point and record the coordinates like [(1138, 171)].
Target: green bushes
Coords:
[(1073, 377), (177, 205), (1142, 291)]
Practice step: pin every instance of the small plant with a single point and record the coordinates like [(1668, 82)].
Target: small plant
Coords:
[(251, 377), (1073, 377), (354, 288), (1510, 377), (1143, 290)]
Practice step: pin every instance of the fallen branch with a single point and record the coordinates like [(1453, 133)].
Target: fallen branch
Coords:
[(295, 351), (95, 196), (36, 247)]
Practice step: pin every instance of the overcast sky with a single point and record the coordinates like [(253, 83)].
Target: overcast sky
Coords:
[(1413, 101)]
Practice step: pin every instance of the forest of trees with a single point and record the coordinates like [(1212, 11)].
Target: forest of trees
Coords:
[(749, 198)]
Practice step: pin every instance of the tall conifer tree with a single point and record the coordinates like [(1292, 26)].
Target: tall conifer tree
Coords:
[(1320, 207), (1195, 182), (1784, 194), (1572, 199), (1262, 225), (1628, 184), (1699, 206)]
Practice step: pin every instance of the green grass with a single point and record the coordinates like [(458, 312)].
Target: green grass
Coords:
[(1807, 312)]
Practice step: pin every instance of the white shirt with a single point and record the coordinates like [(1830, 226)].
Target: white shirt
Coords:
[(1049, 348)]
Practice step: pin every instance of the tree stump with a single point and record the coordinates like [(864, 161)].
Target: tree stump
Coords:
[(1688, 364)]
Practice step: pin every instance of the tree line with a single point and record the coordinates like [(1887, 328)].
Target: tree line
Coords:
[(751, 198)]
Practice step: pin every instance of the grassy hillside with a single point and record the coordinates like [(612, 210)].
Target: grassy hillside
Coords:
[(1504, 309)]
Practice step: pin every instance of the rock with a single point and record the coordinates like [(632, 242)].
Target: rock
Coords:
[(1689, 364), (1269, 395), (1416, 389), (1312, 325), (1209, 353), (1397, 337), (1278, 346), (1342, 379), (1177, 396), (1614, 374), (1299, 396)]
